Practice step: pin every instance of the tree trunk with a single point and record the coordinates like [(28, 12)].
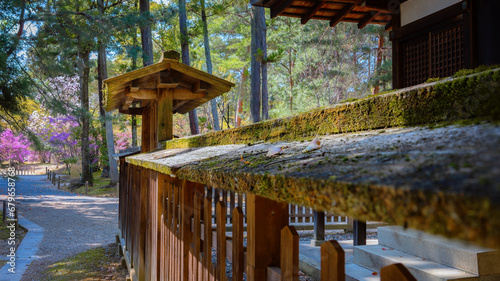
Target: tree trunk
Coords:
[(108, 124), (146, 37), (85, 115), (258, 27), (193, 119), (376, 88), (213, 102), (239, 106)]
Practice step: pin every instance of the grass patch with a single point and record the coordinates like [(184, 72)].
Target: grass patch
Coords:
[(100, 187), (95, 264)]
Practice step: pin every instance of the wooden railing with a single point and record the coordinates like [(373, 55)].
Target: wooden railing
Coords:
[(164, 235), (20, 171)]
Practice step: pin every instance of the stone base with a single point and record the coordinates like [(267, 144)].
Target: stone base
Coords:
[(317, 243)]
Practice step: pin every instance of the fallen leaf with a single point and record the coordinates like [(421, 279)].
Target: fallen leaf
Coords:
[(274, 150), (374, 273), (246, 162), (315, 144)]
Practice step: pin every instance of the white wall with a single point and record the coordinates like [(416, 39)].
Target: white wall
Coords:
[(413, 10)]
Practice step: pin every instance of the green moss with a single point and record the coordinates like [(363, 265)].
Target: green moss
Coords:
[(86, 265), (431, 80), (481, 68)]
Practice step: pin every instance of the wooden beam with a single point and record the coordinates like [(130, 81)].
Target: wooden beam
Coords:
[(132, 111), (276, 11), (144, 94), (368, 18), (165, 115), (341, 14), (200, 87), (169, 79), (183, 94), (311, 13)]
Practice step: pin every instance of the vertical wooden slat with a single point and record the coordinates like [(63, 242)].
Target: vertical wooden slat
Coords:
[(161, 225), (396, 271), (289, 260), (143, 225), (176, 237), (232, 201), (197, 235), (154, 198), (266, 218), (145, 138), (240, 200), (332, 261), (169, 231), (238, 257), (187, 213), (207, 239), (221, 240)]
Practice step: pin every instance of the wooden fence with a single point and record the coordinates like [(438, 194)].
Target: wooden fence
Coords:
[(20, 171), (164, 235)]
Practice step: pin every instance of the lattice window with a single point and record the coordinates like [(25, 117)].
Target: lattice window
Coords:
[(439, 53), (447, 51), (416, 61)]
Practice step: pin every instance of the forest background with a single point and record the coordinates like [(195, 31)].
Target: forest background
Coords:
[(54, 55)]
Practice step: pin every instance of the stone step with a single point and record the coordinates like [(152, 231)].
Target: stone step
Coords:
[(374, 257), (354, 272), (453, 253)]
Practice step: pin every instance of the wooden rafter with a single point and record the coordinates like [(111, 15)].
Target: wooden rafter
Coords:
[(128, 100), (341, 14), (368, 19), (276, 11), (179, 104), (311, 13)]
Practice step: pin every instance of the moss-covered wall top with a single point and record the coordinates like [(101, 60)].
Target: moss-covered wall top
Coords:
[(473, 96), (442, 178)]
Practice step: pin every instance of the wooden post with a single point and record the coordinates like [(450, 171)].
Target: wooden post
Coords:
[(319, 228), (332, 261), (145, 141), (165, 114), (86, 187), (289, 260), (221, 240), (359, 232), (265, 219), (59, 182), (238, 255), (396, 271)]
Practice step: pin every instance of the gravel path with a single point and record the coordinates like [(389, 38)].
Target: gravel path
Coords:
[(72, 223)]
